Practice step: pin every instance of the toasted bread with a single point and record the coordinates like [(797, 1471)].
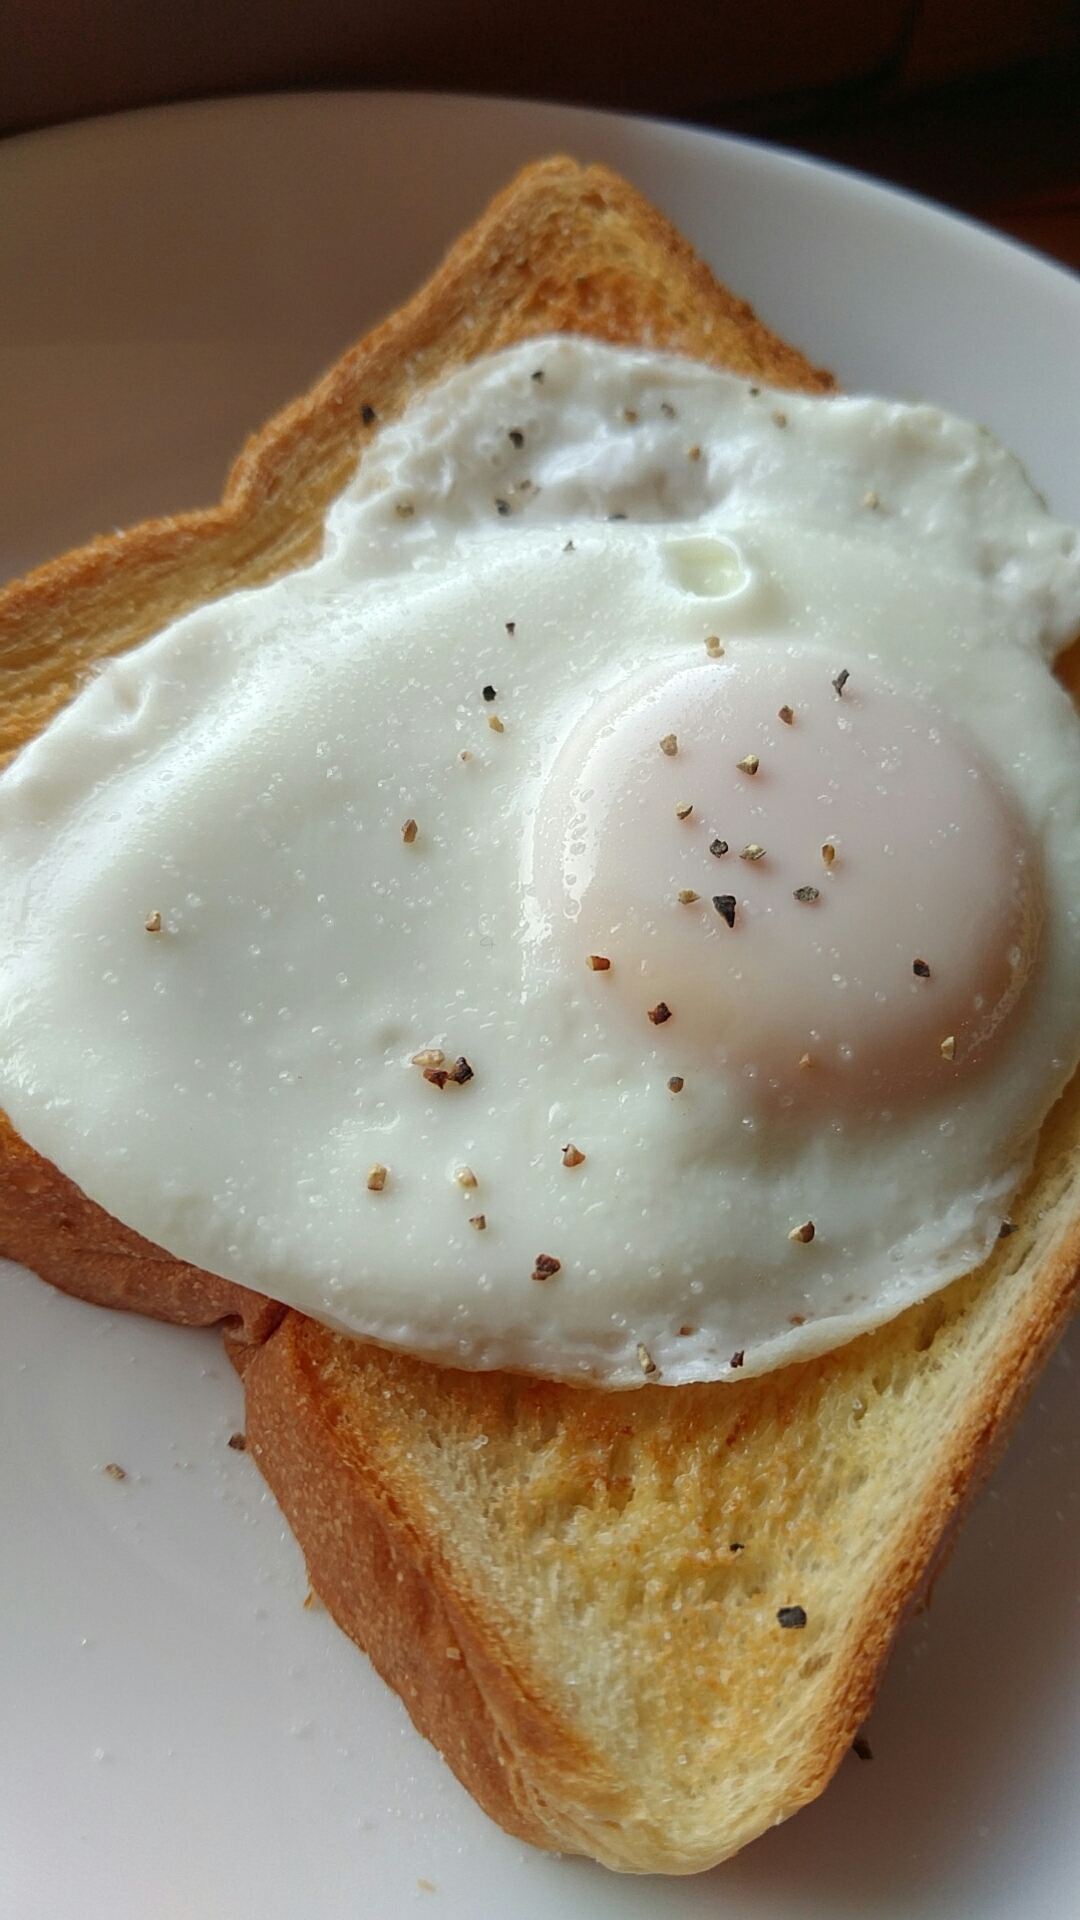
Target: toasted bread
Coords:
[(578, 1594)]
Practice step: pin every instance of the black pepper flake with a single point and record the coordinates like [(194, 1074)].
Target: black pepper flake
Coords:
[(791, 1616), (569, 547), (861, 1747), (667, 409), (461, 1071), (738, 1357), (1007, 1227), (659, 1013), (718, 848), (725, 907), (489, 693), (807, 893), (616, 516), (510, 626), (546, 1266), (238, 1442), (438, 1076), (754, 391), (503, 507), (840, 680), (920, 968), (539, 374), (368, 415), (737, 1546), (516, 436)]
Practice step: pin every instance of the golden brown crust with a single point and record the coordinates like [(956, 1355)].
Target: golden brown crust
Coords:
[(379, 1575), (729, 1500)]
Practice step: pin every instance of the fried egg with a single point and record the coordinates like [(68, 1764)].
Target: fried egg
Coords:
[(614, 915)]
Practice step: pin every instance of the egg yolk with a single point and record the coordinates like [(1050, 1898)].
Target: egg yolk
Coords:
[(808, 879)]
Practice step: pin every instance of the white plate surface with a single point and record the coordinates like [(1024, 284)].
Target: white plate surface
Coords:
[(178, 1736)]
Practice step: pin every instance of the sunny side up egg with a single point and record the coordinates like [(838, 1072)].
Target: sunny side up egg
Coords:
[(614, 915)]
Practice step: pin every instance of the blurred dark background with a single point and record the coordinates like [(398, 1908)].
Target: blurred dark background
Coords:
[(975, 102)]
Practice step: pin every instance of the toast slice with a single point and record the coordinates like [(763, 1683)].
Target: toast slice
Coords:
[(576, 1593)]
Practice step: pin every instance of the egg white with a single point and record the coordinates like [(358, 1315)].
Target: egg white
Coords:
[(225, 1086)]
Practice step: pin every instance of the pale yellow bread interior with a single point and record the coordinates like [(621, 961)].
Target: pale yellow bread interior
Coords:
[(576, 1593)]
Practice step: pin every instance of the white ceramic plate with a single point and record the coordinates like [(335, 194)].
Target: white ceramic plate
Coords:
[(178, 1736)]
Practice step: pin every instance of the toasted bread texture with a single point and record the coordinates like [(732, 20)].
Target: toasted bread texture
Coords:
[(581, 1596)]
